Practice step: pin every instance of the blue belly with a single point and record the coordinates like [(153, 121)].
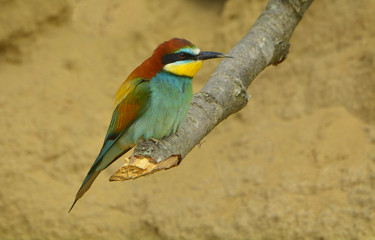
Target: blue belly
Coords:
[(170, 101)]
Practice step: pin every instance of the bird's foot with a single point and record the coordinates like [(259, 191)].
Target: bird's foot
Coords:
[(154, 140)]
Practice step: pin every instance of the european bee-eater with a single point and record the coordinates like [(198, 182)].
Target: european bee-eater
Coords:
[(151, 103)]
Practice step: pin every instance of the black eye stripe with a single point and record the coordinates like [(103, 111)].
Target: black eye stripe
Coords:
[(174, 57)]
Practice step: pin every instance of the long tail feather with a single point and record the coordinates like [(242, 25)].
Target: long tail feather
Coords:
[(101, 163), (85, 186)]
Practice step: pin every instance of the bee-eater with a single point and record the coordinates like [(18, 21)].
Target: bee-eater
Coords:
[(151, 103)]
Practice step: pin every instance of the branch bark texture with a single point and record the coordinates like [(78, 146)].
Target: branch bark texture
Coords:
[(267, 43)]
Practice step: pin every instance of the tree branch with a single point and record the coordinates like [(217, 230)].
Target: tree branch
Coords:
[(225, 92)]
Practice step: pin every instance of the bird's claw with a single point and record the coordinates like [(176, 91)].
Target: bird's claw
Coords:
[(154, 140)]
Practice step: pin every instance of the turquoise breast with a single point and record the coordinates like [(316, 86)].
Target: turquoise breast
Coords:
[(170, 101)]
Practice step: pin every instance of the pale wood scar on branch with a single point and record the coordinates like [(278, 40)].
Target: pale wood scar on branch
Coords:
[(267, 43)]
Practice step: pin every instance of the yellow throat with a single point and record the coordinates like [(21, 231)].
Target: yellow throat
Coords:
[(188, 68)]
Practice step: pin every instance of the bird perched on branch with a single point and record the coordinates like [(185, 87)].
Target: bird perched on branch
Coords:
[(151, 103)]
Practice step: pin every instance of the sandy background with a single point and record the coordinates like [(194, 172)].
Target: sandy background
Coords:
[(297, 163)]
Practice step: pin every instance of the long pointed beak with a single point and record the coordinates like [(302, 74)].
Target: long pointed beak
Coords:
[(208, 55)]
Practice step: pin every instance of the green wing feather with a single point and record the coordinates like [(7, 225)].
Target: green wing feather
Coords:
[(133, 101), (136, 94)]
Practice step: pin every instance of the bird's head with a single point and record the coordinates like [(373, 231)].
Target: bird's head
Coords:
[(177, 56), (183, 58)]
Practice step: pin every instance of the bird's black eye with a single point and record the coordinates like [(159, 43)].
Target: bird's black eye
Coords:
[(174, 57), (182, 55)]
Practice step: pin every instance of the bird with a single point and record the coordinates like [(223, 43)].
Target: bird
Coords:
[(151, 103)]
